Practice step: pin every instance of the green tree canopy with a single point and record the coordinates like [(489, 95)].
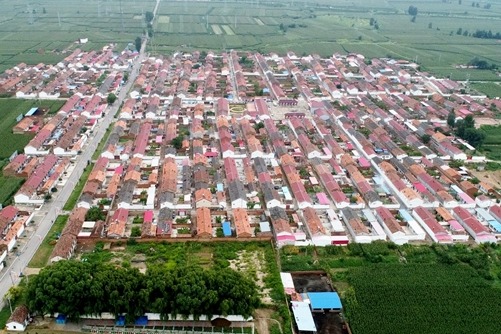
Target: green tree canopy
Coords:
[(111, 98), (76, 288)]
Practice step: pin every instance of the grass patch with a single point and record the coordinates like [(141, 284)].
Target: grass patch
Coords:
[(4, 315), (9, 110), (491, 89), (8, 185), (75, 194), (41, 257), (104, 140)]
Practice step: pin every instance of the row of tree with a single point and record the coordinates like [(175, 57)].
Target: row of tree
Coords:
[(77, 288)]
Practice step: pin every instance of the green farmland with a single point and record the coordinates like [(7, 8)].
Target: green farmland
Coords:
[(41, 31), (387, 288), (326, 27), (34, 32), (492, 144), (9, 110)]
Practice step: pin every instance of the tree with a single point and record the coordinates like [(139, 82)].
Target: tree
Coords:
[(148, 17), (459, 31), (177, 142), (44, 11), (475, 180), (94, 214), (111, 98), (413, 19), (451, 119), (413, 11), (138, 42), (135, 232), (425, 138), (430, 25), (469, 122)]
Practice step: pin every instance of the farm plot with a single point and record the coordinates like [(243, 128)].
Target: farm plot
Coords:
[(217, 30), (421, 298), (492, 142), (227, 29)]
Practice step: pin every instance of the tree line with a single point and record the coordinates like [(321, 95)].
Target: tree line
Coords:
[(486, 34), (77, 288), (465, 129)]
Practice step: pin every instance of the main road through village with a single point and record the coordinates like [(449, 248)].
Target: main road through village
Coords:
[(17, 264)]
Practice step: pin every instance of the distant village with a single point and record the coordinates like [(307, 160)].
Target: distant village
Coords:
[(301, 150)]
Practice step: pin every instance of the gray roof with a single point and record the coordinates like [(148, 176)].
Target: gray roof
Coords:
[(260, 165), (187, 179), (166, 196), (277, 213), (126, 192), (269, 193), (236, 190), (371, 196)]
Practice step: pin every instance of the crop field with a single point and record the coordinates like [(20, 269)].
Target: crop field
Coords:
[(8, 185), (492, 144), (387, 288), (491, 89), (430, 298), (9, 110), (326, 27), (41, 31)]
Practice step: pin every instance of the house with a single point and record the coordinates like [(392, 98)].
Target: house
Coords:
[(318, 234), (241, 219), (116, 226), (238, 195), (428, 222), (67, 242), (479, 232), (203, 198), (18, 320), (391, 226), (204, 223), (281, 227)]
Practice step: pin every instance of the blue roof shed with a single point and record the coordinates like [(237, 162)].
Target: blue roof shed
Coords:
[(226, 229), (120, 320), (31, 112), (61, 319), (321, 301)]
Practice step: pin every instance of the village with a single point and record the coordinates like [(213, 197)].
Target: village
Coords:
[(300, 150)]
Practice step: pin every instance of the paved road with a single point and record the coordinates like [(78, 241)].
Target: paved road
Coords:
[(49, 212)]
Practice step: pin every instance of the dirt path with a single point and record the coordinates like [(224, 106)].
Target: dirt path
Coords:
[(261, 321)]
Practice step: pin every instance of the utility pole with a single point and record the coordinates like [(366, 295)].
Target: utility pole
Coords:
[(59, 19)]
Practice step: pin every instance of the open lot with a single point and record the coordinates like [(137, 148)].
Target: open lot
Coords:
[(251, 259)]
